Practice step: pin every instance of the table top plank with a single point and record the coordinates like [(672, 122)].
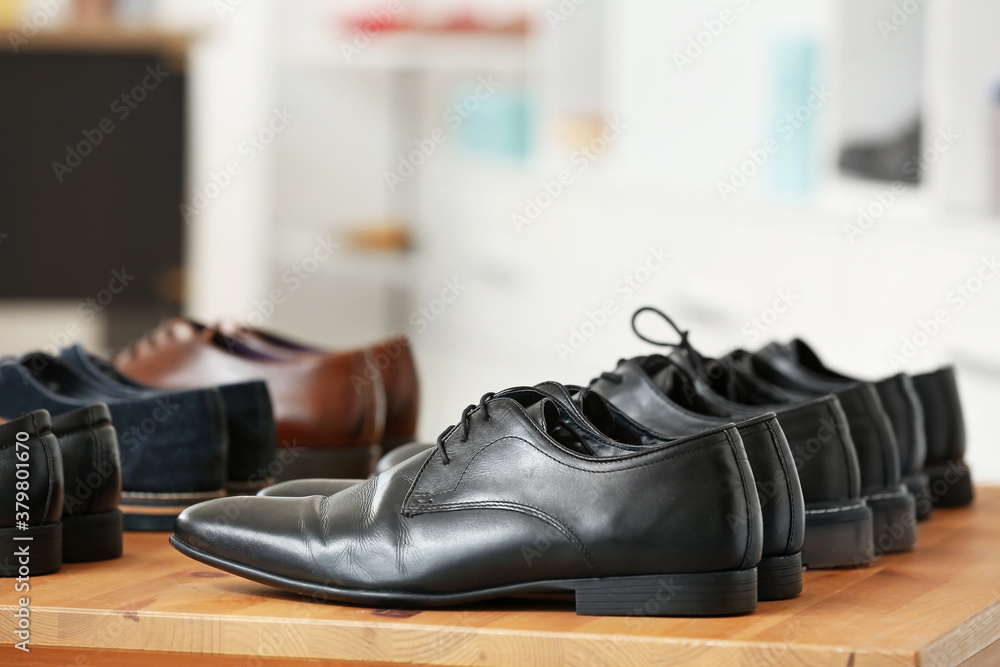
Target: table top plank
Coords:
[(938, 605)]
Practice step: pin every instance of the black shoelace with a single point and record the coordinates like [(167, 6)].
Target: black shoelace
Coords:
[(683, 344), (464, 423)]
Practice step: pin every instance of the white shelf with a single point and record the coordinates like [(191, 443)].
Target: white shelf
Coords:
[(414, 51)]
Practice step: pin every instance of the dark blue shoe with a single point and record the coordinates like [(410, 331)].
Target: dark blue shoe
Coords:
[(173, 445), (249, 418)]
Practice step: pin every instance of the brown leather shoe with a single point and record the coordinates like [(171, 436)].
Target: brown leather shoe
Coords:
[(328, 423), (392, 360)]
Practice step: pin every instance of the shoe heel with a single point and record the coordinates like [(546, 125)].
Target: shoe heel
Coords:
[(951, 485), (779, 577), (703, 594), (894, 521), (91, 537), (919, 486), (44, 550), (838, 537)]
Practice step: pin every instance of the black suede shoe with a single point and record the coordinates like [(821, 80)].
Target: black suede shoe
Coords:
[(511, 502), (172, 447), (893, 506), (92, 472), (949, 477), (31, 480), (249, 418)]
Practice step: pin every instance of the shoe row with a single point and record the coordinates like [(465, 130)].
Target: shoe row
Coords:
[(202, 414), (673, 485), (334, 411), (62, 483)]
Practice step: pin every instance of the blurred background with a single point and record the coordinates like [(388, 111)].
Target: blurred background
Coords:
[(507, 180)]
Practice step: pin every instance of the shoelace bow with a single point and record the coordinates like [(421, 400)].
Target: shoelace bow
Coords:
[(682, 344), (464, 423), (725, 365)]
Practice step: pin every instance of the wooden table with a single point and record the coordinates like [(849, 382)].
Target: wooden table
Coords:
[(939, 605)]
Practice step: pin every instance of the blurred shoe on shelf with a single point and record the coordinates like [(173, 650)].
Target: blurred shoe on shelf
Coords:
[(329, 409), (949, 477), (249, 418), (92, 476), (172, 446), (622, 516), (31, 486)]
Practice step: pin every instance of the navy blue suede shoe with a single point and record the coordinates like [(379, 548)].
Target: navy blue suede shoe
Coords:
[(173, 446), (249, 418)]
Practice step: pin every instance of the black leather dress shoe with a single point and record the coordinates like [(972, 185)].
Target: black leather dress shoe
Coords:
[(949, 477), (314, 486), (779, 574), (838, 522), (511, 502), (31, 480), (801, 369), (893, 506), (92, 474)]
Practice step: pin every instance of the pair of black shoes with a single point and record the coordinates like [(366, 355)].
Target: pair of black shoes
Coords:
[(644, 493), (61, 484)]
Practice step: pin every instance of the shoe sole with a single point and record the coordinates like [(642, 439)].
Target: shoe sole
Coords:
[(951, 485), (919, 485), (92, 537), (779, 577), (702, 594), (894, 521), (158, 511), (44, 550), (838, 536)]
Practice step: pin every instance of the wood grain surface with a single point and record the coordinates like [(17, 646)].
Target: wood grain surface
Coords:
[(938, 605)]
